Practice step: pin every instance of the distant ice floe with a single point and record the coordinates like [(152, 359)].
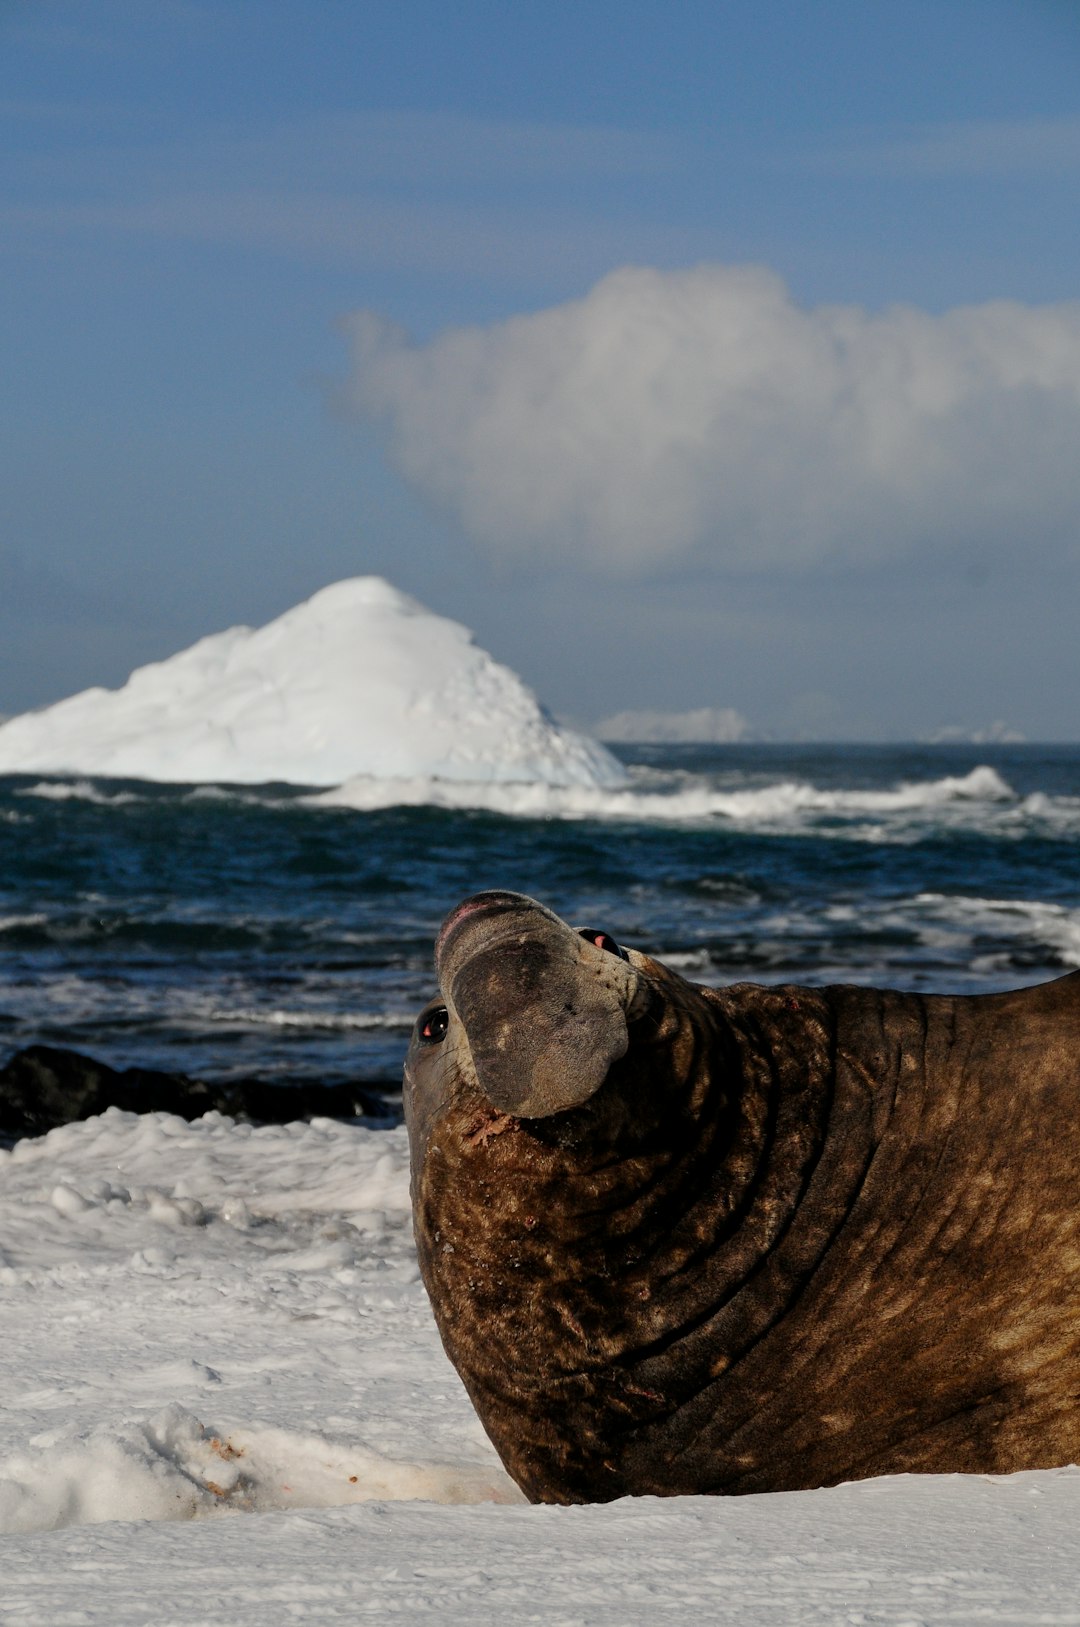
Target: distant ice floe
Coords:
[(703, 725), (998, 733), (359, 680)]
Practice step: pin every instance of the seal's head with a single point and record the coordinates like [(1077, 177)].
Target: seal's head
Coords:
[(531, 1013)]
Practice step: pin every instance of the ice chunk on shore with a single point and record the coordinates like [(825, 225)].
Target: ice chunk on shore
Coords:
[(359, 680)]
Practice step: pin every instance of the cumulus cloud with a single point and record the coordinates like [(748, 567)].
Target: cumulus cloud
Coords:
[(703, 416)]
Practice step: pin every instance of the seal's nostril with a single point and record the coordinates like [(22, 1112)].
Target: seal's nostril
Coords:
[(602, 940), (480, 904)]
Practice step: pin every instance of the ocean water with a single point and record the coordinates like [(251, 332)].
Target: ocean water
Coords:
[(272, 932)]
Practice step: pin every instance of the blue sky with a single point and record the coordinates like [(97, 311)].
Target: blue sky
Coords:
[(663, 488)]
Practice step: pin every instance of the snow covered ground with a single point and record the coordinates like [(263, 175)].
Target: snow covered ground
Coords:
[(223, 1400), (359, 681)]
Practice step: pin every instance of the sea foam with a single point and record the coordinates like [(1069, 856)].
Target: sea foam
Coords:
[(671, 798)]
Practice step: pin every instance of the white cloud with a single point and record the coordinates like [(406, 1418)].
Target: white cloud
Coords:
[(703, 416)]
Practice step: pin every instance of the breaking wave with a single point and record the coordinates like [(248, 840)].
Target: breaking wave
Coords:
[(681, 798), (980, 799), (78, 791), (331, 1020)]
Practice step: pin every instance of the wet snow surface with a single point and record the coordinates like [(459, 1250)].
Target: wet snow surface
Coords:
[(224, 1401)]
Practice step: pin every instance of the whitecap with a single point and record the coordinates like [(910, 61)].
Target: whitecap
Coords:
[(683, 799), (333, 1020), (77, 791), (1036, 922)]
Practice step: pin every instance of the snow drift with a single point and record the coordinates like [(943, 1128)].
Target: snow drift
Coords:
[(208, 1322), (360, 680)]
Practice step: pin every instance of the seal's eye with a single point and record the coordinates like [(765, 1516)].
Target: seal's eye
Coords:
[(602, 940), (431, 1029)]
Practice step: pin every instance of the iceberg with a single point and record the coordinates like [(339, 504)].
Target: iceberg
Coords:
[(360, 681)]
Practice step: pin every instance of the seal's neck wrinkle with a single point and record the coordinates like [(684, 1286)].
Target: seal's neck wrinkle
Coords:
[(750, 1133), (769, 1199)]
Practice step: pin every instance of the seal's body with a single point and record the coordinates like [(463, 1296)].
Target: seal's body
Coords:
[(681, 1239)]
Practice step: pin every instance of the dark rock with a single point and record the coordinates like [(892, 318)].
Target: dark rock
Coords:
[(44, 1086)]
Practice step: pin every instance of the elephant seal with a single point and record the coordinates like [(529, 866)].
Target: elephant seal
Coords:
[(683, 1239)]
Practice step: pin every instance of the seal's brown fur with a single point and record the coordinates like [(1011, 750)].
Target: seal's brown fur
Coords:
[(793, 1237)]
